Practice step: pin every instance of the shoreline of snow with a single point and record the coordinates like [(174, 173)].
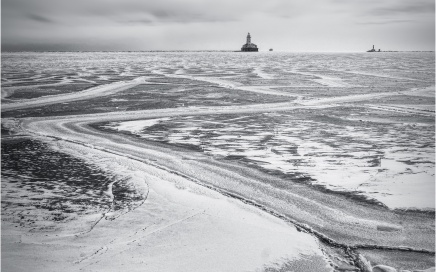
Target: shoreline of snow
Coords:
[(193, 222)]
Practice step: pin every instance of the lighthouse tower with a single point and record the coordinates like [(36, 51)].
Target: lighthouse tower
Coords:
[(372, 50), (249, 47)]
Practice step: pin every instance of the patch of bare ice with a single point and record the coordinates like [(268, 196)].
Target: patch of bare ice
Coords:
[(93, 92), (260, 72), (328, 81), (135, 126)]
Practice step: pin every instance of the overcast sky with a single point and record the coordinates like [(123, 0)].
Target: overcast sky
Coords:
[(285, 25)]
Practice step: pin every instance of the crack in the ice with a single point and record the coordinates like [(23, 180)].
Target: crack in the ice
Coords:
[(104, 215), (100, 251), (105, 248)]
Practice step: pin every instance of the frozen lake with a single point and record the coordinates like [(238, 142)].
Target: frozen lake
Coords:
[(342, 145)]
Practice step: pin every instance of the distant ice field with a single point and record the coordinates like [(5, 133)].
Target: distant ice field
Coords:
[(369, 129)]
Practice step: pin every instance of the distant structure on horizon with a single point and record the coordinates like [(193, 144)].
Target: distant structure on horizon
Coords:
[(249, 47), (373, 50), (270, 49)]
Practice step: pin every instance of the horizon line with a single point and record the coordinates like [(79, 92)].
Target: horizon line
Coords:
[(236, 51)]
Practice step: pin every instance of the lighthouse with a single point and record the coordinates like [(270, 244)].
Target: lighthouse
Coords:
[(249, 47), (373, 50), (248, 38)]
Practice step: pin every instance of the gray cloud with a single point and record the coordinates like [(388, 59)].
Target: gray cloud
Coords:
[(383, 8), (408, 8), (136, 21), (39, 18), (385, 22), (396, 8)]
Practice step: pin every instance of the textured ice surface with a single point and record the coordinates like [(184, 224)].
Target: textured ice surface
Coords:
[(362, 124), (390, 161)]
